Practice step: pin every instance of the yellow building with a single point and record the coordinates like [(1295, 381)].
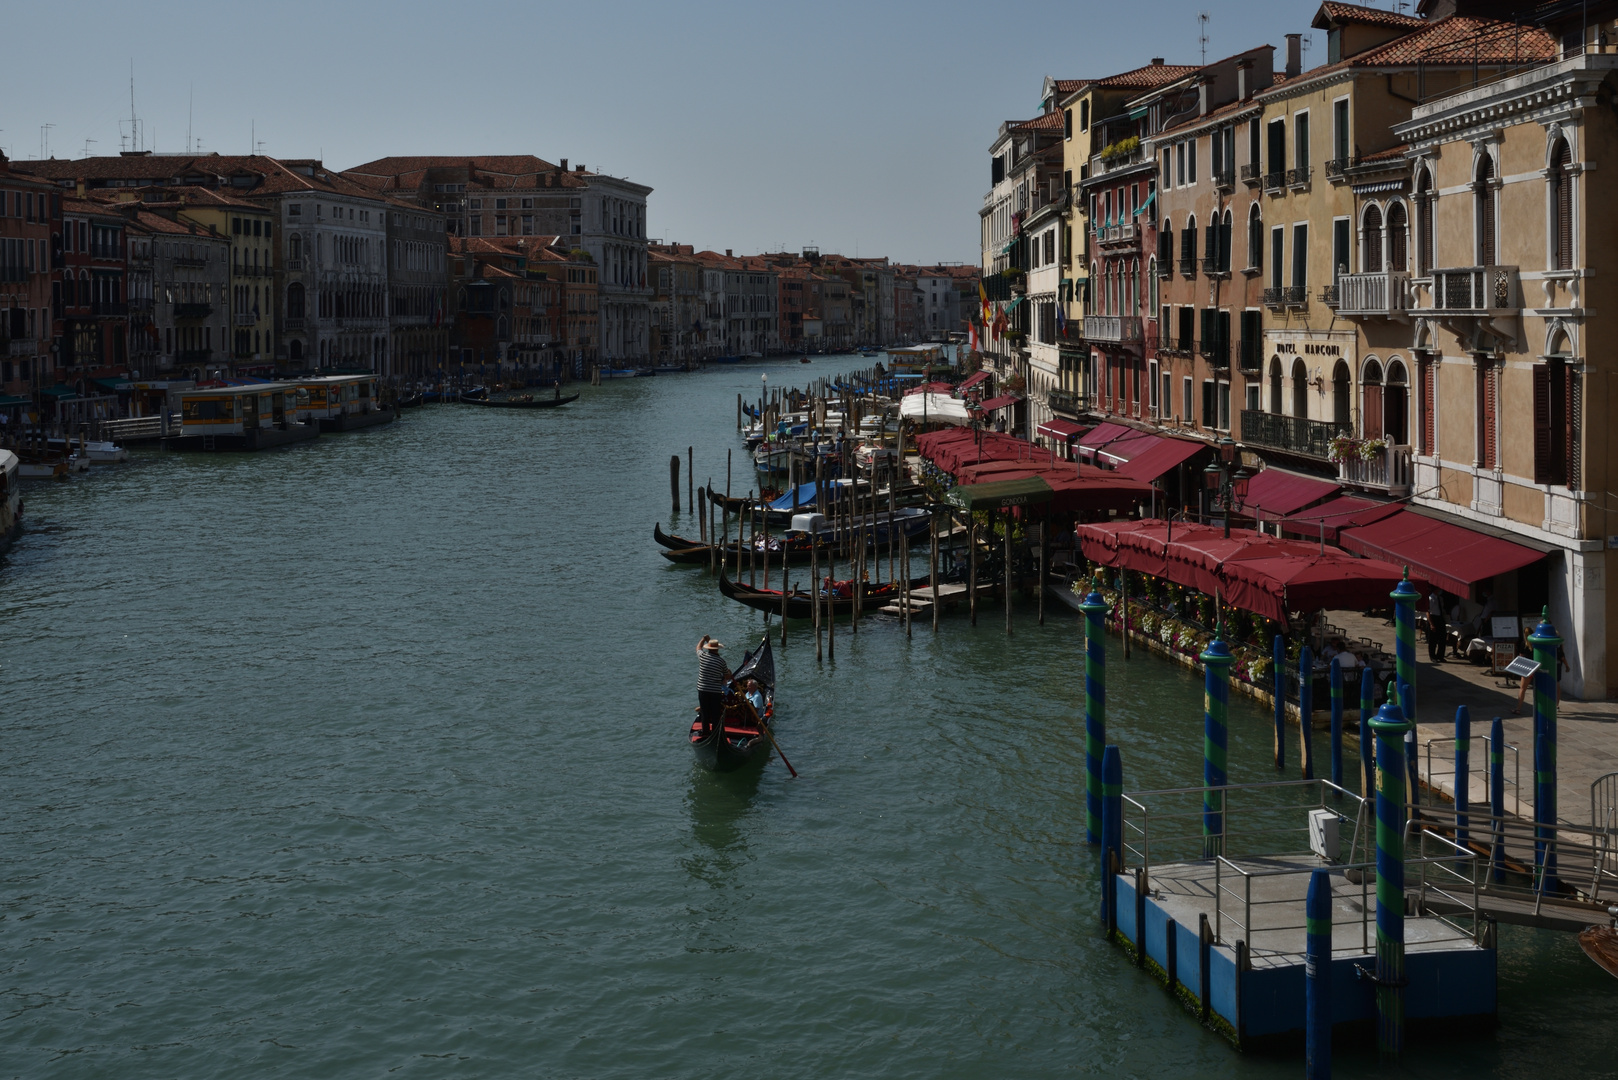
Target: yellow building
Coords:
[(249, 226)]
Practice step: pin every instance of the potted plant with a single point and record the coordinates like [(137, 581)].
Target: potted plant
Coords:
[(1371, 449)]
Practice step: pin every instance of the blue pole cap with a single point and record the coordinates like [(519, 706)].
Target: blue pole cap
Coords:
[(1390, 721), (1093, 602), (1317, 905), (1404, 592), (1217, 652), (1545, 635)]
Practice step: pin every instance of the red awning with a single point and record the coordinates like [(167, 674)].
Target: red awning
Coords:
[(1330, 581), (1335, 515), (954, 448), (972, 380), (1061, 430), (930, 388), (1117, 442), (1276, 493), (1151, 462), (995, 404), (1452, 557)]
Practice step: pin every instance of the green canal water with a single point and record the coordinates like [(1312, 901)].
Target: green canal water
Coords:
[(365, 758)]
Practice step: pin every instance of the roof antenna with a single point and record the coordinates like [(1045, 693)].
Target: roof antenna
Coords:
[(190, 104), (87, 143), (1202, 35)]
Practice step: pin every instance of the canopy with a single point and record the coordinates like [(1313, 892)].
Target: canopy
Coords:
[(930, 388), (950, 450), (1258, 573), (972, 380), (1450, 556), (1335, 515), (1277, 493), (1117, 442), (59, 391), (995, 404), (1061, 430), (1001, 494), (9, 400), (1076, 488), (113, 384), (806, 497), (1153, 461), (934, 409)]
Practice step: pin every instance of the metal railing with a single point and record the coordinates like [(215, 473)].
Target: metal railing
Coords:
[(1188, 265), (1225, 179), (1295, 434), (1477, 765), (1297, 295), (1328, 295), (22, 347), (1299, 176), (1216, 351), (1216, 264), (1252, 175), (1275, 180), (1383, 293), (1250, 352), (1476, 289)]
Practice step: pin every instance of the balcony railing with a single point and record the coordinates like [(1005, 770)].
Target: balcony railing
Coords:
[(1169, 345), (245, 318), (1225, 179), (192, 311), (1476, 289), (1297, 295), (186, 261), (1188, 266), (1275, 180), (1337, 169), (1069, 402), (1250, 353), (1328, 296), (294, 264), (1216, 351), (292, 322), (1252, 175), (1385, 293), (22, 347), (1121, 329), (1117, 234), (1120, 161), (1292, 434), (1388, 471), (1300, 176), (1215, 264)]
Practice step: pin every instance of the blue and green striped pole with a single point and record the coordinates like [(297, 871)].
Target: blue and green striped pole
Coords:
[(1367, 747), (1317, 976), (1497, 801), (1336, 721), (1216, 661), (1412, 774), (1544, 641), (1404, 646), (1463, 773), (1306, 711), (1095, 710), (1278, 664), (1112, 833), (1390, 727)]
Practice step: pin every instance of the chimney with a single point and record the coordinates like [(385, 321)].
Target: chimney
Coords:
[(1294, 55), (564, 164), (1244, 88), (578, 168), (1157, 61), (728, 255)]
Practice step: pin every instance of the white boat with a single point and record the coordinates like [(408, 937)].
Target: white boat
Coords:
[(47, 467), (105, 452), (10, 498)]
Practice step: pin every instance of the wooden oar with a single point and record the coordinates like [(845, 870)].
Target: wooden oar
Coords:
[(764, 726)]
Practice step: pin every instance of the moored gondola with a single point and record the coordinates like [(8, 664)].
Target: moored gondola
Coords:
[(525, 401), (800, 603), (740, 739), (669, 541)]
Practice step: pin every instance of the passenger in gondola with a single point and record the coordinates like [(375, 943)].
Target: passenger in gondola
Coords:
[(755, 697), (712, 679)]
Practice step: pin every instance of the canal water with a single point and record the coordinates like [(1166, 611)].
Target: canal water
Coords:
[(366, 757)]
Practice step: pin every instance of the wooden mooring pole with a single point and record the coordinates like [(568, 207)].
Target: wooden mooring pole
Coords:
[(674, 481), (690, 477)]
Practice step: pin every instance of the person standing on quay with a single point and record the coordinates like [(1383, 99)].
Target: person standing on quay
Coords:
[(1437, 628), (712, 678)]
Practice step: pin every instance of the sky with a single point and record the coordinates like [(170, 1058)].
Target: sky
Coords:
[(861, 128)]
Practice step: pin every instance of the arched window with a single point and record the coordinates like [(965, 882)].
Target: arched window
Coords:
[(1224, 244), (1371, 399), (1424, 221), (1561, 181), (1483, 196), (1133, 306), (1188, 248), (1165, 246), (1275, 385), (295, 350), (295, 298), (1398, 225), (1395, 404), (1255, 238), (1151, 285), (500, 329), (1300, 388), (1342, 391), (1371, 234)]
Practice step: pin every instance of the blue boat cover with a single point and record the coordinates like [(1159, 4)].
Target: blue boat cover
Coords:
[(806, 497)]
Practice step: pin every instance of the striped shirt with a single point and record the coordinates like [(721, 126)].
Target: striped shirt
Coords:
[(711, 672)]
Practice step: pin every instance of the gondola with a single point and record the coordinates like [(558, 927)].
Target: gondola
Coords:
[(798, 550), (668, 541), (800, 603), (526, 401), (742, 742), (410, 401)]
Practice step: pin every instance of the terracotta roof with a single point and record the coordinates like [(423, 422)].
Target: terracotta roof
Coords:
[(498, 172), (1051, 121), (271, 176), (1455, 39), (1148, 77), (1333, 12), (1391, 153), (1067, 86)]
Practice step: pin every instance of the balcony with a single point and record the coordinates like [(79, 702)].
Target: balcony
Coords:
[(1337, 169), (192, 311), (1250, 354), (1119, 160), (109, 309), (194, 356), (194, 263), (1275, 180), (1289, 297), (1328, 296), (1389, 471), (1169, 345), (1112, 329), (1252, 175), (1117, 234), (22, 347), (292, 322), (1386, 293), (1065, 402), (1290, 434), (140, 304), (1215, 266), (1217, 352), (1188, 266), (245, 318), (294, 264), (1476, 290), (1225, 180), (1299, 177)]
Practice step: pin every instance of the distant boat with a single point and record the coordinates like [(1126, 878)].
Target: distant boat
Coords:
[(522, 401)]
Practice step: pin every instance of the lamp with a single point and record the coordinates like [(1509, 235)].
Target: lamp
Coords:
[(1238, 486), (1212, 477)]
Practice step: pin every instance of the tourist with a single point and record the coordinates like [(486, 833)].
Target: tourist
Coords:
[(1437, 628), (1522, 690)]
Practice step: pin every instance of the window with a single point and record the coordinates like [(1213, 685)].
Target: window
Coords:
[(1210, 404), (1277, 167), (1554, 446), (1067, 123), (1277, 251), (1300, 255), (1191, 161), (1224, 243), (294, 209), (1168, 170), (1084, 116), (1300, 141), (1300, 389), (1253, 156), (1424, 221), (1483, 195), (1561, 181), (1371, 233), (1179, 163), (1255, 238), (1484, 411), (1397, 259), (1427, 373), (1185, 399), (1275, 385), (1168, 393), (1342, 243), (1340, 144)]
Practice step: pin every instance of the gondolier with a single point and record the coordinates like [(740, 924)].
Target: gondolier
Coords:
[(713, 677)]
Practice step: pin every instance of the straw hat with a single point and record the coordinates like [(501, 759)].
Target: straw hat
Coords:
[(713, 644)]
